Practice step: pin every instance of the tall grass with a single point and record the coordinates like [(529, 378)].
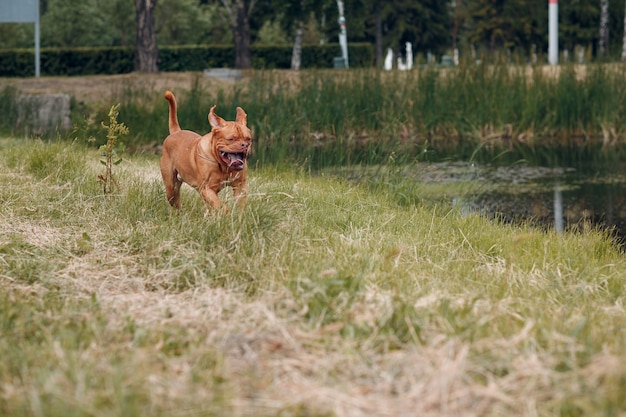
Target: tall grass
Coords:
[(325, 118), (330, 118), (8, 107)]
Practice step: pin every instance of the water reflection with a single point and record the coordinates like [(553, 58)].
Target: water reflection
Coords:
[(559, 224), (574, 203), (553, 197)]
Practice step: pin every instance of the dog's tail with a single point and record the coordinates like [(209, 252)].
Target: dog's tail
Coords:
[(173, 121)]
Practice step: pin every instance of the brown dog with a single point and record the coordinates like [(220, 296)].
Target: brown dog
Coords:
[(207, 163)]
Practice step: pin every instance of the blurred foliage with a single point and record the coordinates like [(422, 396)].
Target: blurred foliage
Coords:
[(431, 26)]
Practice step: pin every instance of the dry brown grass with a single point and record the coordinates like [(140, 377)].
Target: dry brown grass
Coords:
[(98, 89)]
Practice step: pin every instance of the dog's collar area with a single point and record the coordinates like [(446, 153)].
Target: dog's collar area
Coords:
[(205, 157)]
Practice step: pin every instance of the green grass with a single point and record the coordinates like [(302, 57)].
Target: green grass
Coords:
[(320, 297)]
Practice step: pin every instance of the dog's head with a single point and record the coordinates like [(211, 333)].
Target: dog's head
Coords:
[(231, 140)]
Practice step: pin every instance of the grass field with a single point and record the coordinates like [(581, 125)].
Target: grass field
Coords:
[(319, 298)]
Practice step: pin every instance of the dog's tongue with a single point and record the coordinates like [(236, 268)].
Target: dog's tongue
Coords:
[(236, 161)]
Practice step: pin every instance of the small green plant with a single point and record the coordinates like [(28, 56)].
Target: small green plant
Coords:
[(114, 131)]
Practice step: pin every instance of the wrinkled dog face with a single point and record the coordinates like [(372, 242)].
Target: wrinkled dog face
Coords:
[(231, 140)]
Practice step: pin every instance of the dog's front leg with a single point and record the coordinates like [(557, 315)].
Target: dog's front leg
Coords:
[(240, 192), (210, 198)]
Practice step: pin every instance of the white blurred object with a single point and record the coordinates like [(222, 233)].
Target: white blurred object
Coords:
[(407, 64), (388, 64), (409, 55)]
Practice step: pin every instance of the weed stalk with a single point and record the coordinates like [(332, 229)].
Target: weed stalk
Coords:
[(114, 131)]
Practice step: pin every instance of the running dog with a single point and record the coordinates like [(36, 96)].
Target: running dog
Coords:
[(207, 163)]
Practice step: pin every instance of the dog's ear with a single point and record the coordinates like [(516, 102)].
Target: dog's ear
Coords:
[(242, 117), (214, 119)]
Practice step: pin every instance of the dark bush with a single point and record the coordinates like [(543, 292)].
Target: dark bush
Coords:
[(118, 60)]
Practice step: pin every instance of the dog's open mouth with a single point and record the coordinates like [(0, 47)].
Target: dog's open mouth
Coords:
[(234, 160)]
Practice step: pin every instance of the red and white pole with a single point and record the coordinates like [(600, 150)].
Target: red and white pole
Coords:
[(553, 28)]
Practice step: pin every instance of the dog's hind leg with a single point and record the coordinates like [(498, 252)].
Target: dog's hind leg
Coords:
[(172, 183), (173, 194)]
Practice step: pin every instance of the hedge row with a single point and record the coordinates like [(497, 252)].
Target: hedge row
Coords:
[(117, 60)]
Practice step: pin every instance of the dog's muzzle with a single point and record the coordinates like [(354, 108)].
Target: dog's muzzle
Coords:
[(234, 160)]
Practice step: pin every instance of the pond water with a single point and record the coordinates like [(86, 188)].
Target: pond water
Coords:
[(558, 198)]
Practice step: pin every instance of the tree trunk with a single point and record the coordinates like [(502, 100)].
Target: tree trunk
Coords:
[(603, 41), (146, 52), (624, 38), (296, 55), (455, 32), (240, 25), (379, 36), (241, 31)]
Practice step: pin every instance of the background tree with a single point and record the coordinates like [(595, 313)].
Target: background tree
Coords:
[(624, 38), (146, 52), (17, 35), (121, 23), (237, 13), (68, 23), (390, 24), (296, 52), (376, 24), (603, 36), (578, 23), (431, 25), (378, 32), (457, 13), (187, 22), (526, 25), (488, 23), (616, 25), (425, 24), (271, 33), (294, 17)]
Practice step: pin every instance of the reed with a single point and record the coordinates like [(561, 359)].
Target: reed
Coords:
[(470, 111), (8, 107), (327, 118)]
